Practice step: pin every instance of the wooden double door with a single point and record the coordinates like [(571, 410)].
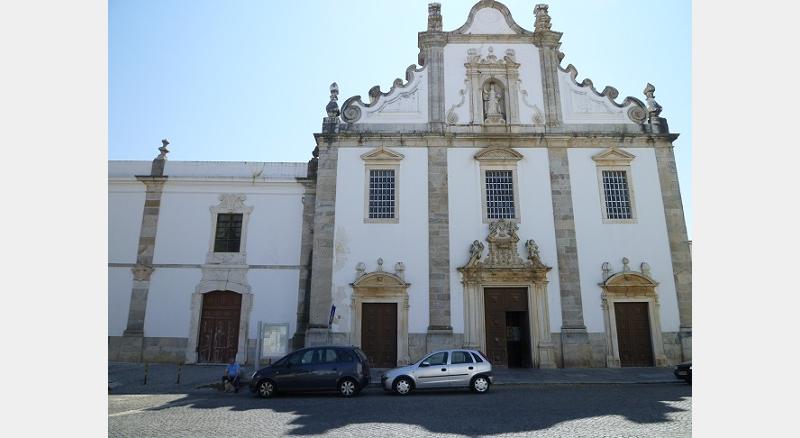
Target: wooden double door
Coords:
[(219, 327), (633, 334), (379, 334), (507, 328)]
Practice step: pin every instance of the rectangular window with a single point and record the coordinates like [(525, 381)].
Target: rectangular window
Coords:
[(617, 194), (229, 232), (381, 194), (499, 194)]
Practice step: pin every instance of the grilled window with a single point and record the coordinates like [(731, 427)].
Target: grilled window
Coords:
[(499, 194), (617, 194), (381, 193), (229, 232)]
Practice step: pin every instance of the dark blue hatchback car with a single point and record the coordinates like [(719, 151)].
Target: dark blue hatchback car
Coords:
[(327, 368)]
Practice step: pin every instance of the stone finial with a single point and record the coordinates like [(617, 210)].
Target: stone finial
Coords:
[(157, 169), (606, 270), (542, 23), (435, 17), (333, 106), (625, 267), (163, 150), (533, 249), (380, 264), (645, 269), (653, 108), (361, 268), (400, 270)]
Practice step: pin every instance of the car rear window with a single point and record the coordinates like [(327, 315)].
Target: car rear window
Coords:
[(344, 356), (460, 357), (477, 357)]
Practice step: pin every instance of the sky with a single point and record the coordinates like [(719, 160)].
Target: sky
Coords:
[(248, 80)]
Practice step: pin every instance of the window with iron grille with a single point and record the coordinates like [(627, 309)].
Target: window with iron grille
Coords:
[(617, 194), (500, 194), (228, 235), (381, 193)]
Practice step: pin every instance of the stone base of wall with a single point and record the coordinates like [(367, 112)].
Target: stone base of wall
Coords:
[(576, 349), (125, 348), (146, 349)]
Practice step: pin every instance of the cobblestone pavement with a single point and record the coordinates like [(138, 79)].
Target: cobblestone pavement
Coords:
[(608, 410)]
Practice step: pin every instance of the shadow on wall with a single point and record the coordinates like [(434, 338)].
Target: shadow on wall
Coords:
[(502, 410)]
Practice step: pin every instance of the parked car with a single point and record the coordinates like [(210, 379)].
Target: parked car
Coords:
[(683, 371), (458, 368), (326, 368)]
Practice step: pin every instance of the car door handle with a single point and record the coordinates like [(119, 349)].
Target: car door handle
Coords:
[(444, 369), (470, 367)]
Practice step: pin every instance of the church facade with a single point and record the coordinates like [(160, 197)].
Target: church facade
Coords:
[(487, 201)]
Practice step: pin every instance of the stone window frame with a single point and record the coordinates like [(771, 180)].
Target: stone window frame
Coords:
[(382, 158), (229, 203), (499, 158), (615, 159)]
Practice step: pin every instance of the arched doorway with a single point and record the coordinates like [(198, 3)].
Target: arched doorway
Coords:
[(219, 327), (631, 316)]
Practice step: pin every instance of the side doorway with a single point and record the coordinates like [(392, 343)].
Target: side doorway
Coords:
[(219, 327)]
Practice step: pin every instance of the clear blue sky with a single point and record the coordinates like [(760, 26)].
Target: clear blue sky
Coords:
[(248, 80)]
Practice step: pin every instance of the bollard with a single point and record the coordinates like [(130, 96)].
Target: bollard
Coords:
[(178, 382), (145, 373)]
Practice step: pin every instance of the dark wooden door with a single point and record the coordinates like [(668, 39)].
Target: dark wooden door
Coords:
[(633, 335), (379, 334), (219, 327), (497, 303)]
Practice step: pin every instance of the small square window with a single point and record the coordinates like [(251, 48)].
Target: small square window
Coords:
[(381, 194), (617, 195), (228, 234)]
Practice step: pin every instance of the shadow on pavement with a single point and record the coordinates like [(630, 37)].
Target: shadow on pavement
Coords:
[(508, 409)]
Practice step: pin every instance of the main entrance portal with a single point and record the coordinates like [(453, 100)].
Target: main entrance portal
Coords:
[(507, 328)]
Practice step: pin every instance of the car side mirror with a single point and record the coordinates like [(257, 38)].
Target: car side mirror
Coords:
[(424, 364)]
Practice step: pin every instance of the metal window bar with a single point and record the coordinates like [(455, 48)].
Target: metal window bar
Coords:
[(228, 233), (500, 194), (618, 201), (381, 194)]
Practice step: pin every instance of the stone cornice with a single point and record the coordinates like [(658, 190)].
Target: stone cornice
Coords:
[(469, 139)]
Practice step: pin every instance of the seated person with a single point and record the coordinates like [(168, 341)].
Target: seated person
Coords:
[(232, 375)]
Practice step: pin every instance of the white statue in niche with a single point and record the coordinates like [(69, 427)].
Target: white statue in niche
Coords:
[(492, 104)]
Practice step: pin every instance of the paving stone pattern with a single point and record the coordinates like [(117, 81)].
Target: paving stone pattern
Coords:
[(658, 410)]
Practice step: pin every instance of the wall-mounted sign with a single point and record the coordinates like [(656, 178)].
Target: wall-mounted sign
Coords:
[(274, 340)]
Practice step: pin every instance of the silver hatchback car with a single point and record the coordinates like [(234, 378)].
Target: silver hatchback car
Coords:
[(459, 368)]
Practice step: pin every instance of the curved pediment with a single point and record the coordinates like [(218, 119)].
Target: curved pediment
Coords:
[(380, 279), (495, 154), (629, 279), (490, 17)]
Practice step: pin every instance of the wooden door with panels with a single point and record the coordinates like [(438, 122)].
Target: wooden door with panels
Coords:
[(379, 334), (219, 327), (633, 334)]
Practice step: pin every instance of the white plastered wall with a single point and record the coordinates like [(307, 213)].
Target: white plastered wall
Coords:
[(407, 104), (406, 241), (466, 221), (489, 21), (643, 241), (125, 206), (582, 105)]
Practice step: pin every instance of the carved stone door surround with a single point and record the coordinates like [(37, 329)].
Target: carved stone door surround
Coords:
[(630, 286), (382, 287), (504, 268)]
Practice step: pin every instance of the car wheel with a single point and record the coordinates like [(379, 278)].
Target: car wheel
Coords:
[(480, 384), (348, 388), (403, 386), (266, 389)]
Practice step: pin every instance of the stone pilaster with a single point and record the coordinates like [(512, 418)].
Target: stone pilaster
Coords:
[(438, 242), (678, 243), (131, 348), (575, 345), (548, 43), (306, 245), (431, 44), (320, 299)]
